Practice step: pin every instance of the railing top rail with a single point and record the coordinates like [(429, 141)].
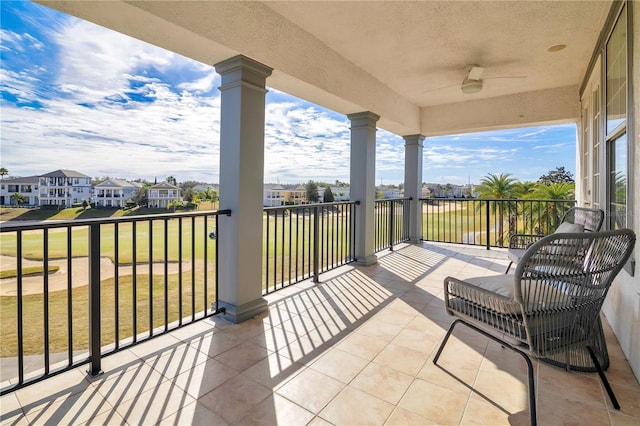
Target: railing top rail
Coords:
[(307, 206), (527, 200), (31, 225), (394, 199)]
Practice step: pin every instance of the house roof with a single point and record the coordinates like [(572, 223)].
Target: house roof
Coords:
[(273, 187), (22, 180), (404, 61), (163, 185), (66, 173), (120, 183)]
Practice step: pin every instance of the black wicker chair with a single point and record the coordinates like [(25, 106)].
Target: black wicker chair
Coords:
[(550, 307), (589, 220)]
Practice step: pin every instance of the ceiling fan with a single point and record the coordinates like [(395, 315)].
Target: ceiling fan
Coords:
[(474, 80)]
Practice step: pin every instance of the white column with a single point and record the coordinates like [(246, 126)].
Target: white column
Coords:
[(413, 150), (241, 183), (363, 185)]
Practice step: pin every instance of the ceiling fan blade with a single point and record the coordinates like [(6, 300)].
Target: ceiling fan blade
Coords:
[(475, 73), (441, 87), (507, 76)]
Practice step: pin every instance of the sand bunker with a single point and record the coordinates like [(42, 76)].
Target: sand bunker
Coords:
[(80, 273)]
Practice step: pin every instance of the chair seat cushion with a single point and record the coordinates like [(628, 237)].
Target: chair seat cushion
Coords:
[(515, 254), (504, 285), (566, 227)]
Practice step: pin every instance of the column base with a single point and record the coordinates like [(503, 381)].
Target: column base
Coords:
[(237, 314), (367, 261)]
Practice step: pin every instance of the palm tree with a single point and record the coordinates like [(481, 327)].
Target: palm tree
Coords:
[(497, 187), (549, 218), (3, 172), (524, 189)]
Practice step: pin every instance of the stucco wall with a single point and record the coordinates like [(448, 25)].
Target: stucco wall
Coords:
[(622, 307)]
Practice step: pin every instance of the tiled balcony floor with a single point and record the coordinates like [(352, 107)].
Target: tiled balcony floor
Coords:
[(355, 349)]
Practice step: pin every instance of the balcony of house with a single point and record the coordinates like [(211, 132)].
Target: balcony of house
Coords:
[(339, 343)]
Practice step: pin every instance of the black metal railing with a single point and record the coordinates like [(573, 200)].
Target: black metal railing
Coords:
[(75, 291), (487, 222), (300, 242), (391, 222)]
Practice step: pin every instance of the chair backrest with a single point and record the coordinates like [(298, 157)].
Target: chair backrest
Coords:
[(562, 281), (591, 219)]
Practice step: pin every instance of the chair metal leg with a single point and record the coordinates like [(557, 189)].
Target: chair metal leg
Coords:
[(508, 267), (444, 342), (605, 382), (532, 392)]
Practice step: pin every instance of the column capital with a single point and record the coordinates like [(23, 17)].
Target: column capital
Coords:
[(414, 140), (362, 119), (241, 69)]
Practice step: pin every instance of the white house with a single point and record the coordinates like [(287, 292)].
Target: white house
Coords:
[(162, 194), (64, 188), (25, 186), (273, 195), (114, 192)]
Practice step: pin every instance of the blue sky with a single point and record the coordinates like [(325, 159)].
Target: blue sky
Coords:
[(78, 96)]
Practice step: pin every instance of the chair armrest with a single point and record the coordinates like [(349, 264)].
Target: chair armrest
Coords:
[(523, 241), (478, 297)]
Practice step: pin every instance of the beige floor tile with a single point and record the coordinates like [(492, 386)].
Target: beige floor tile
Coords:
[(119, 388), (110, 418), (276, 410), (354, 407), (304, 350), (156, 346), (435, 403), (402, 417), (362, 346), (236, 399), (9, 402), (502, 389), (57, 387), (74, 409), (213, 344), (457, 366), (574, 386), (274, 338), (243, 356), (424, 341), (14, 417), (340, 365), (504, 359), (382, 382), (151, 406), (628, 399), (402, 359), (311, 390), (273, 371), (621, 419), (178, 360), (481, 412), (380, 329), (195, 414), (553, 409), (204, 377), (319, 421)]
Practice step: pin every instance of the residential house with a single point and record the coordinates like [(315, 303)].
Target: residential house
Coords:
[(114, 192), (64, 188), (25, 186), (295, 195), (162, 194), (273, 195)]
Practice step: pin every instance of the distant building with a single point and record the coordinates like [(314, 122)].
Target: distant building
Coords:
[(64, 188), (162, 194), (25, 186), (295, 195), (273, 195), (114, 192)]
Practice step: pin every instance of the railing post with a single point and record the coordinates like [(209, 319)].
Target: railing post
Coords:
[(94, 300), (488, 219), (391, 224), (316, 244)]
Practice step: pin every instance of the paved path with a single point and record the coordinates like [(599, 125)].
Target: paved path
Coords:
[(80, 273)]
